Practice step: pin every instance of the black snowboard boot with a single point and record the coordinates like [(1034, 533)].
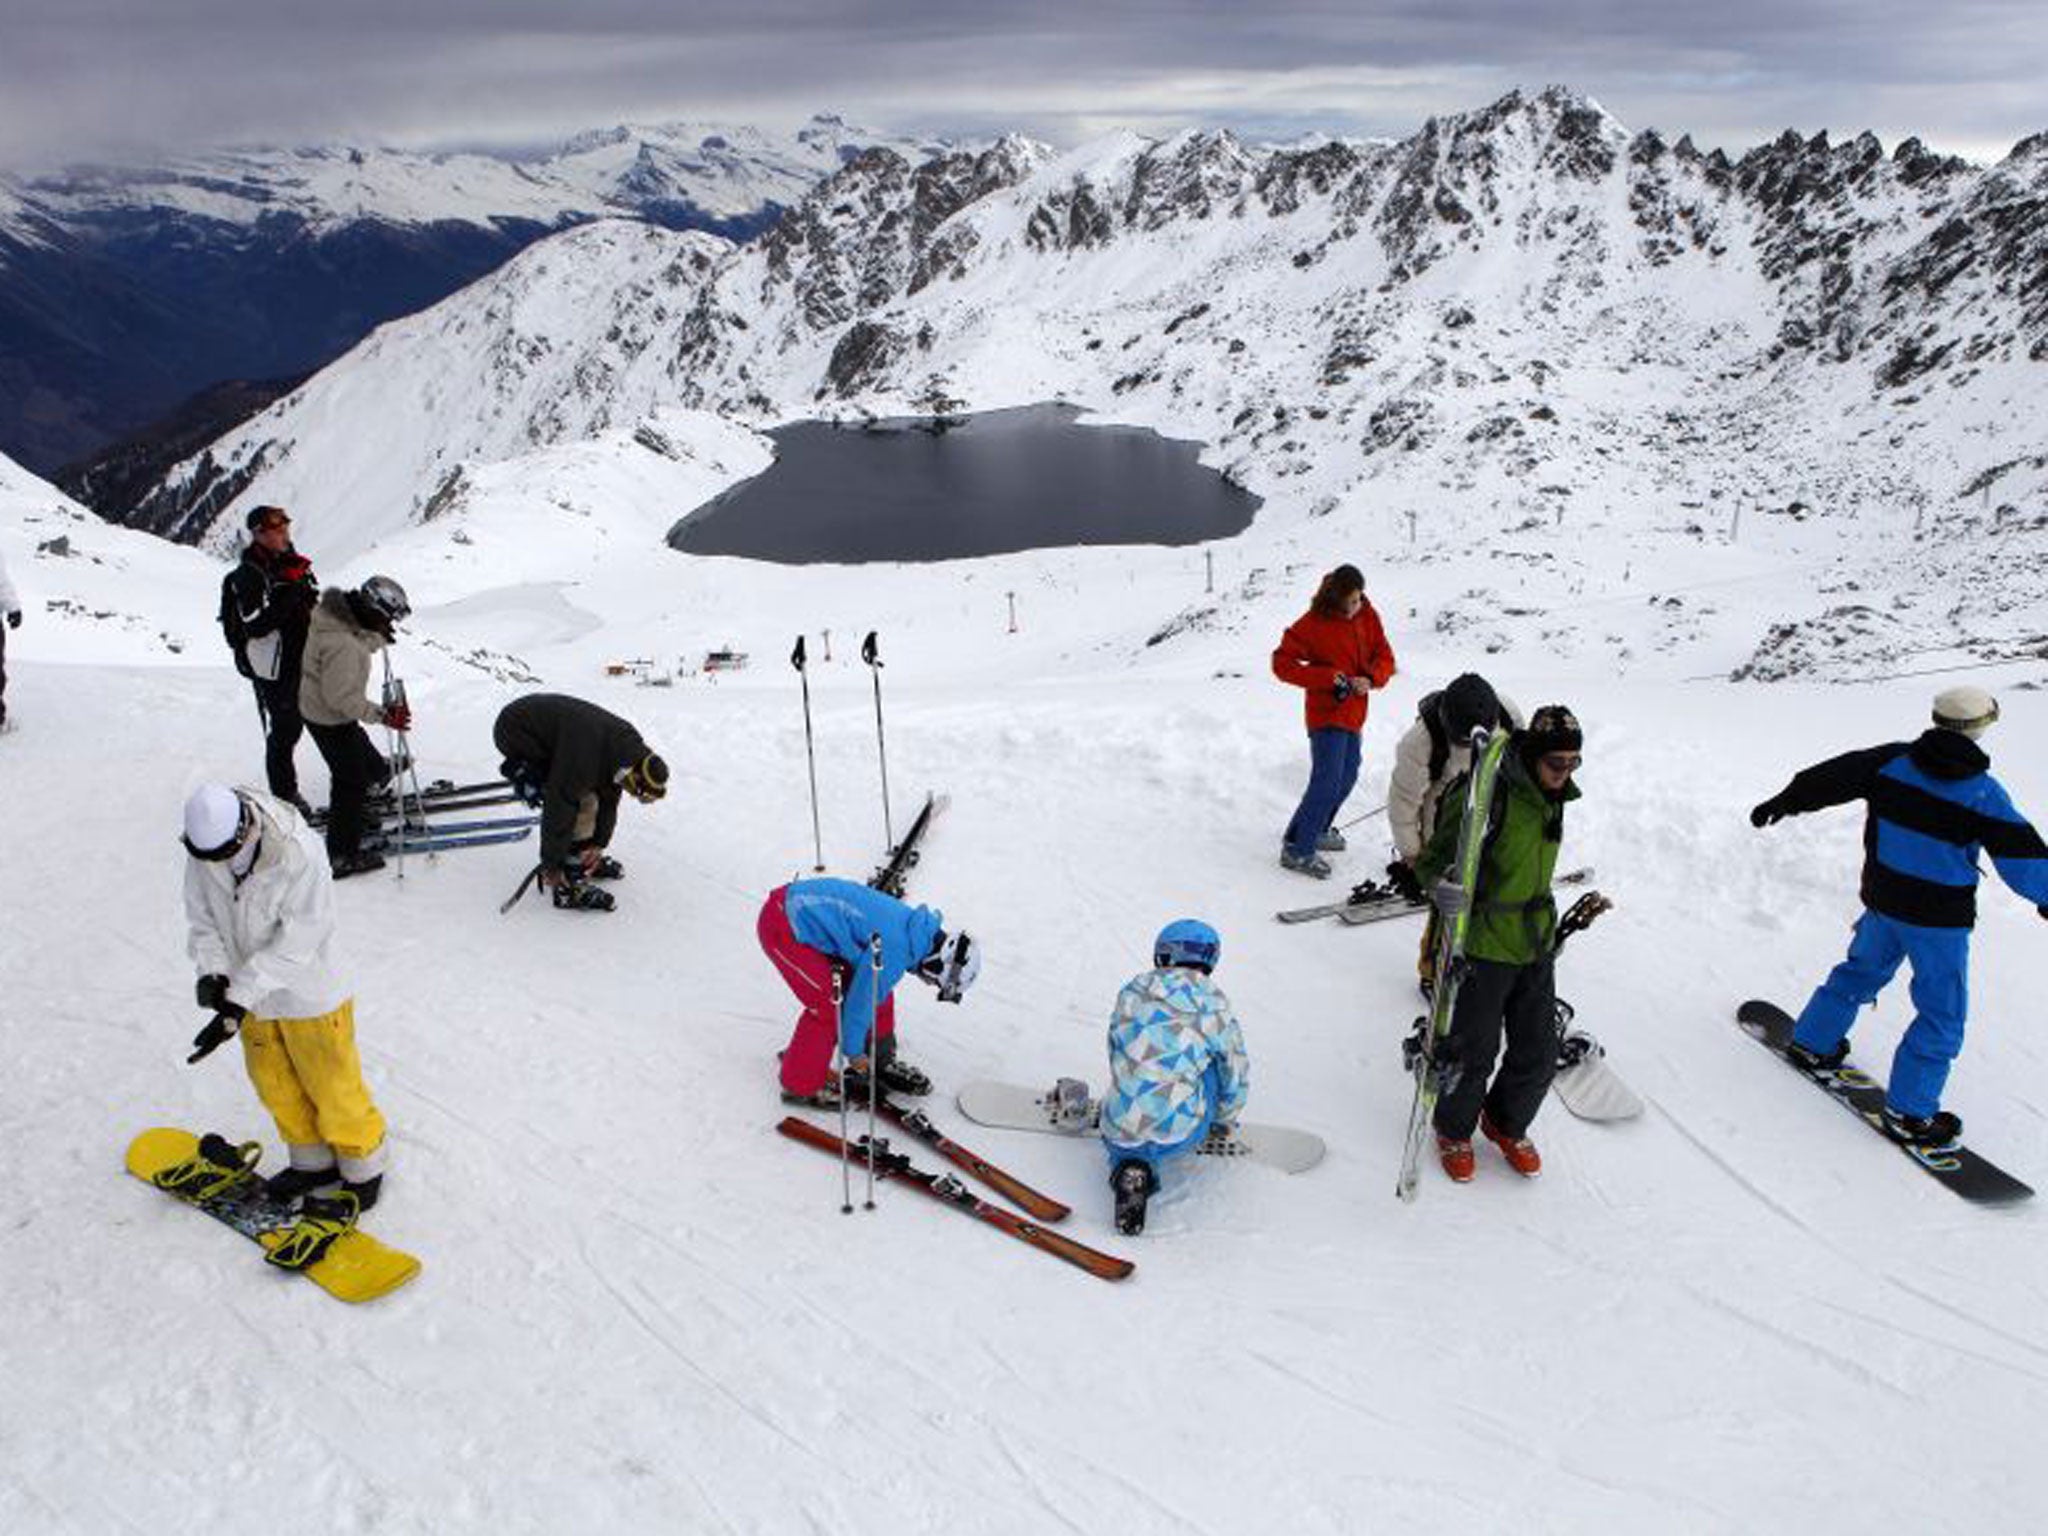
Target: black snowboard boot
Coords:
[(1816, 1061), (1133, 1183), (365, 1191), (294, 1184), (1935, 1130)]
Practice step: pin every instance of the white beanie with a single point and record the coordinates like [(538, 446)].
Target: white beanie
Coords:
[(213, 815), (1966, 709)]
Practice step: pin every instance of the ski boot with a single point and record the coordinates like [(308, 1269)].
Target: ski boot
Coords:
[(1068, 1103), (1935, 1130), (361, 862), (896, 1074), (607, 868), (1456, 1156), (1305, 863), (581, 896), (1133, 1182), (1331, 841), (1520, 1151), (294, 1184), (217, 1169), (322, 1219)]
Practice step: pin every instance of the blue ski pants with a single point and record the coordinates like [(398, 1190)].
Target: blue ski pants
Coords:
[(1333, 758), (1940, 958)]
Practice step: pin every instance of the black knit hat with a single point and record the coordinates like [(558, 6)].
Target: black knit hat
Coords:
[(1468, 704), (1553, 728)]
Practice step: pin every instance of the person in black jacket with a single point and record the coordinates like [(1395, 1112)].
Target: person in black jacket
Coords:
[(573, 760), (1931, 807), (265, 604)]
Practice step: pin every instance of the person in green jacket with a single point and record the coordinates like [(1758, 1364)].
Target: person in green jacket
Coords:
[(1510, 942)]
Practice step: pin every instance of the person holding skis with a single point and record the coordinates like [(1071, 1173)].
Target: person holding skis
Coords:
[(10, 609), (1177, 1066), (1508, 987), (572, 761), (266, 604), (346, 630), (1336, 653), (1931, 805), (1432, 754), (259, 906), (843, 947)]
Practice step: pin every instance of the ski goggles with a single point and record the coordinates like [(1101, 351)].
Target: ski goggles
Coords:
[(952, 967), (227, 850)]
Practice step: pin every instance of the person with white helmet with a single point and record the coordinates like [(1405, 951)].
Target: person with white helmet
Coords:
[(842, 947), (1932, 806), (259, 906), (1177, 1065), (347, 629)]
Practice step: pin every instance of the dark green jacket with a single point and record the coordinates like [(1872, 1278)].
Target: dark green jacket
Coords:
[(1514, 918)]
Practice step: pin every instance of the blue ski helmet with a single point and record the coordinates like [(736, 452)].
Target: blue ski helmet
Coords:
[(1188, 941)]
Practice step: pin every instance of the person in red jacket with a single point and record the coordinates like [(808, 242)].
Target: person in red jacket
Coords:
[(1336, 653)]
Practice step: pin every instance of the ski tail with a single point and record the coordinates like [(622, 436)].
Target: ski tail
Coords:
[(1011, 1188)]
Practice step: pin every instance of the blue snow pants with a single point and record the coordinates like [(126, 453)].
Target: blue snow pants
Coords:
[(1155, 1154), (1940, 958), (1333, 758)]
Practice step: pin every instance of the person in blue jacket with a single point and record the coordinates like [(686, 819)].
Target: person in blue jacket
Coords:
[(823, 935), (1933, 805), (1177, 1067)]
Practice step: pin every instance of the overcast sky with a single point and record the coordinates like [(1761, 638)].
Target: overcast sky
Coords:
[(121, 78)]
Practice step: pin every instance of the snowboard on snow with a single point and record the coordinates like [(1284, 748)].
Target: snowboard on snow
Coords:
[(1975, 1177), (356, 1268), (1014, 1107), (1585, 1083)]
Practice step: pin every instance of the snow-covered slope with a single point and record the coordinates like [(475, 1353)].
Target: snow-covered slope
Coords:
[(642, 1311), (1523, 321)]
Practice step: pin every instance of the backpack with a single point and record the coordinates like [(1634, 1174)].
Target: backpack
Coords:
[(231, 624)]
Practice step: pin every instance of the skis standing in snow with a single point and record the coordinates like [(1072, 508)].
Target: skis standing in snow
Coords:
[(346, 630), (1510, 943), (259, 902), (1432, 754), (1336, 653), (266, 604), (1932, 804), (10, 608), (572, 761), (1177, 1065), (843, 947)]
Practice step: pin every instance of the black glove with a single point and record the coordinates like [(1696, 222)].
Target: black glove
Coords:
[(1771, 810), (211, 992), (1401, 876), (219, 1030), (14, 619), (1342, 687)]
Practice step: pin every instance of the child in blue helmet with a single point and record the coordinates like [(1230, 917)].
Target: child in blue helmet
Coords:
[(1177, 1067)]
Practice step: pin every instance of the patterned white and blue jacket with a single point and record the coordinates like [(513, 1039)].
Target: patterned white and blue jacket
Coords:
[(1168, 1029)]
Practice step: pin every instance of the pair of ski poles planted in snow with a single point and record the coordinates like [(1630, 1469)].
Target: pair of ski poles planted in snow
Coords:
[(872, 656), (874, 1076)]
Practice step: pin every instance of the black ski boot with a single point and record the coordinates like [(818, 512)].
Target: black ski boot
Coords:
[(294, 1184), (1935, 1130), (1133, 1182), (581, 896), (361, 862), (898, 1075), (607, 868)]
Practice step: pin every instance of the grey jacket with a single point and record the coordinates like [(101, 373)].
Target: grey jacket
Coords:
[(334, 680)]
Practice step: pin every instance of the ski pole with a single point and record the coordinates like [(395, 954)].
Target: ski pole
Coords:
[(872, 657), (1362, 816), (796, 659), (839, 1077), (512, 901), (874, 1058), (397, 746)]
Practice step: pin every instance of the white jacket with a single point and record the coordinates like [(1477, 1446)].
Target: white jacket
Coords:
[(271, 932), (1412, 795), (10, 600)]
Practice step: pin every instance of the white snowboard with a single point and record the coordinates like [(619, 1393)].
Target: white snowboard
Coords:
[(1592, 1090), (1029, 1109)]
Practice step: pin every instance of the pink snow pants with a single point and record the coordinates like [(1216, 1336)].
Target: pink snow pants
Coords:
[(807, 1062)]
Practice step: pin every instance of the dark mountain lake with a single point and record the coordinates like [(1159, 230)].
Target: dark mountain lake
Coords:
[(988, 484)]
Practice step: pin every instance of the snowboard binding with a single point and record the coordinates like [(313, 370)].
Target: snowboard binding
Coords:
[(1068, 1103), (322, 1220), (217, 1169)]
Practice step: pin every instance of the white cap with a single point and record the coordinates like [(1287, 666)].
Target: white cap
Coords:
[(213, 816), (1966, 709)]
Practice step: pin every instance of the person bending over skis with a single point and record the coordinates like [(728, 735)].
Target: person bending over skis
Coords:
[(259, 904), (1932, 804), (1177, 1065), (842, 947)]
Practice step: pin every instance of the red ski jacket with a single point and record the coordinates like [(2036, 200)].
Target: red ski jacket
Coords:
[(1318, 648)]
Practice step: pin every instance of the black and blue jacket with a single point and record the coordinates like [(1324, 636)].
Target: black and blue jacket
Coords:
[(1933, 806)]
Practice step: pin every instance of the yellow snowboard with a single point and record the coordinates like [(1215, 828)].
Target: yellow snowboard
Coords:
[(356, 1268)]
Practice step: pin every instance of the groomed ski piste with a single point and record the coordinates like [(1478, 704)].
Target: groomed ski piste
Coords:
[(642, 1310)]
